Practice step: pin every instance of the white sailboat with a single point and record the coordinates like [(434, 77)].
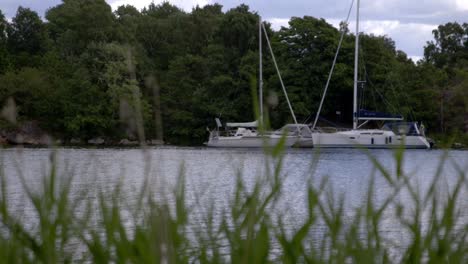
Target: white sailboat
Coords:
[(247, 135), (392, 135)]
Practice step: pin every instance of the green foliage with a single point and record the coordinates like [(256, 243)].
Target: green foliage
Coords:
[(299, 47), (26, 33), (73, 25), (4, 60), (449, 55), (77, 71), (27, 38), (127, 18), (450, 46), (32, 90)]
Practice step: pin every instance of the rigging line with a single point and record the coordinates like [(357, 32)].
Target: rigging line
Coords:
[(383, 97), (412, 112), (406, 97), (329, 122), (361, 97), (395, 95), (385, 101), (398, 106), (360, 83), (332, 67), (366, 77), (373, 96), (279, 76)]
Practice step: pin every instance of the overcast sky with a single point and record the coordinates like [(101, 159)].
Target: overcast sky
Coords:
[(408, 22)]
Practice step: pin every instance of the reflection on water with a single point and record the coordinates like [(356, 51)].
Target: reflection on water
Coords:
[(211, 174)]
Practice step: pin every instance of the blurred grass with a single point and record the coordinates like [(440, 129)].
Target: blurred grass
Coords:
[(250, 230)]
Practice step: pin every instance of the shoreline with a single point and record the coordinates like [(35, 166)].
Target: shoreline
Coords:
[(136, 146)]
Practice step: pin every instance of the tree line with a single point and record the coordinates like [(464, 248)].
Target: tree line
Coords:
[(86, 71)]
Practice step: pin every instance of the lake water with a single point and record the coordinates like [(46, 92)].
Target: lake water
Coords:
[(210, 174)]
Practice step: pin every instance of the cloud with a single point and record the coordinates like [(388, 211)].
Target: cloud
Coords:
[(462, 5), (277, 23), (428, 12), (9, 7), (409, 37), (415, 58), (409, 23), (139, 4)]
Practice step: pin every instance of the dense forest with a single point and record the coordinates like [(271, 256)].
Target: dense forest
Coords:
[(84, 71)]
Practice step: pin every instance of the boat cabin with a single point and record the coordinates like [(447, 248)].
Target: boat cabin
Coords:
[(404, 128)]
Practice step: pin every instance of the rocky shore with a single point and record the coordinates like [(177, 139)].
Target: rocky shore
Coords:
[(30, 134)]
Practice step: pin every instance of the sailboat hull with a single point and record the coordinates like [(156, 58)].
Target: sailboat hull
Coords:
[(250, 142), (368, 139)]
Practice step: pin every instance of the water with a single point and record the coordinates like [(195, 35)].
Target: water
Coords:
[(210, 175)]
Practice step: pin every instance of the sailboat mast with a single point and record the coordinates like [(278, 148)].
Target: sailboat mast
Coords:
[(260, 70), (356, 60)]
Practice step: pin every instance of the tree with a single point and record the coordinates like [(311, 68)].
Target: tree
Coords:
[(3, 44), (206, 23), (32, 91), (90, 72), (238, 31), (450, 46), (305, 53), (163, 32), (74, 24), (449, 54), (127, 18), (26, 33), (3, 30)]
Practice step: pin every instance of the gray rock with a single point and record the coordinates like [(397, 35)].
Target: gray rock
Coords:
[(75, 141), (28, 133), (45, 140), (96, 141), (126, 142), (155, 142), (15, 138)]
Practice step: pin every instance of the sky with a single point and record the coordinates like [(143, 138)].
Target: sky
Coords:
[(408, 22)]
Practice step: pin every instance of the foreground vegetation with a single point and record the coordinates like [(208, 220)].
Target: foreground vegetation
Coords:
[(62, 225), (81, 70)]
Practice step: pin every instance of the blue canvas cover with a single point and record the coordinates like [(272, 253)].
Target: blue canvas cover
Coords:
[(373, 115)]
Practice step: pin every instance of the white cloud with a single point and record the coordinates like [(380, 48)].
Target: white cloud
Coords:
[(409, 23), (376, 27), (416, 58), (186, 5), (379, 27), (277, 23), (462, 5), (409, 37)]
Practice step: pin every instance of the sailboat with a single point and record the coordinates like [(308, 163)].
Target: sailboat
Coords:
[(391, 135), (247, 134)]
